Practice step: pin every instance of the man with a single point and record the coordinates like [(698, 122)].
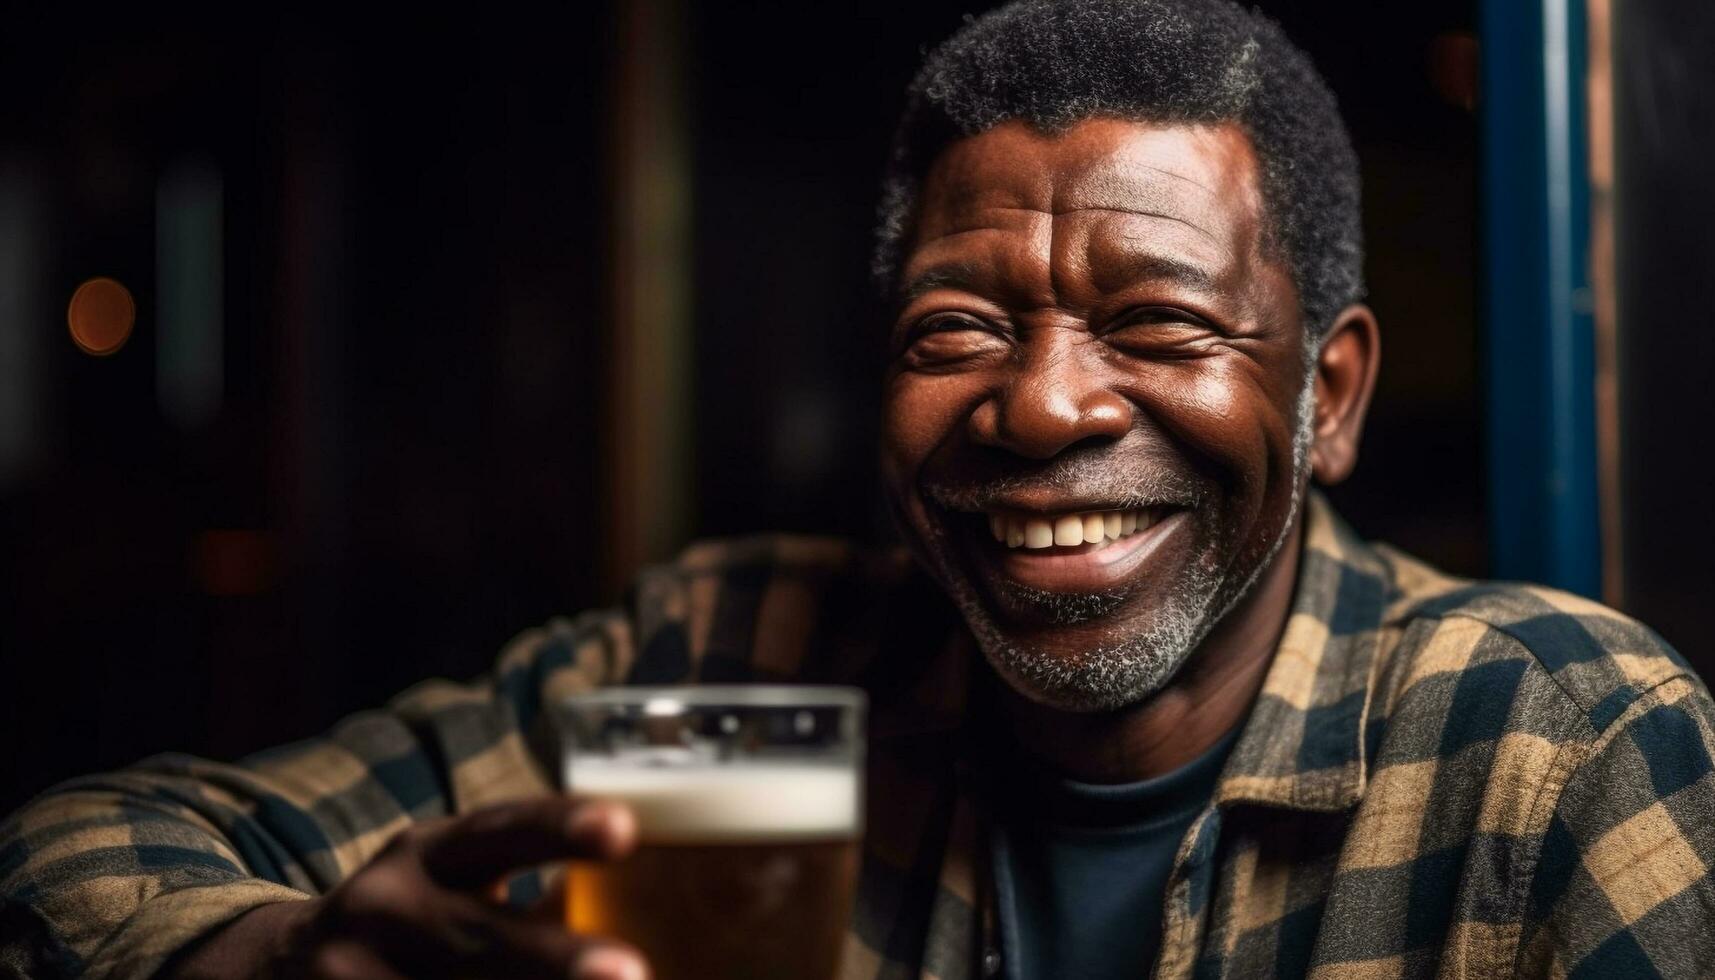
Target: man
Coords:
[(1164, 711)]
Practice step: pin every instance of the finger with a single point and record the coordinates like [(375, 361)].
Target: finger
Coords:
[(349, 961), (472, 851), (533, 949), (477, 939), (605, 960)]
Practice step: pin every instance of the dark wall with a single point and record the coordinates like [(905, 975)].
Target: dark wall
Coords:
[(1664, 244), (399, 474), (403, 470)]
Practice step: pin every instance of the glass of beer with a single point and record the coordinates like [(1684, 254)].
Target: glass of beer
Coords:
[(749, 808)]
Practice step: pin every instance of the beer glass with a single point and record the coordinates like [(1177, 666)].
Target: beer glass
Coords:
[(749, 807)]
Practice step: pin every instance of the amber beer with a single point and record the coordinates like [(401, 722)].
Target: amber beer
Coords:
[(748, 828)]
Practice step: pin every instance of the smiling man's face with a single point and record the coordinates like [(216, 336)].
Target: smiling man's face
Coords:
[(1098, 403)]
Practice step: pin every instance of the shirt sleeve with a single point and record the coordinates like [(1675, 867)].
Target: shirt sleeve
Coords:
[(1622, 886), (108, 876)]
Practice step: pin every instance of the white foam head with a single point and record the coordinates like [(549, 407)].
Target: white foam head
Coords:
[(711, 804)]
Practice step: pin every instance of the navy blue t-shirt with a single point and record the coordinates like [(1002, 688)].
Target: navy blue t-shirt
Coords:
[(1080, 868)]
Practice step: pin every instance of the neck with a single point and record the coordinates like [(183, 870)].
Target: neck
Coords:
[(1209, 695)]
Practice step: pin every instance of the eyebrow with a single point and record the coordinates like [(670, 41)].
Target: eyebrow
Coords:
[(1158, 268), (1152, 267), (947, 275)]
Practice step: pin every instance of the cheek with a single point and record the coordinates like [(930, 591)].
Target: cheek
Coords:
[(919, 414), (1223, 410)]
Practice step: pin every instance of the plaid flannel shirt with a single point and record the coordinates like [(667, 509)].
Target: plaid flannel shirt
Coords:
[(1439, 778)]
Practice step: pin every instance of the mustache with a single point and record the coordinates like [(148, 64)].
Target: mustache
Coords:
[(1120, 480)]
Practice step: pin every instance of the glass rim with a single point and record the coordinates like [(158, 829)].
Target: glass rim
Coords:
[(668, 698)]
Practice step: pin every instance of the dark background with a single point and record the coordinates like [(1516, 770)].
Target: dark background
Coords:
[(404, 469), (1664, 247)]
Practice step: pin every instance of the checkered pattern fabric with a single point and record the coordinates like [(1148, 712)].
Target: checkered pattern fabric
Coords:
[(1439, 778)]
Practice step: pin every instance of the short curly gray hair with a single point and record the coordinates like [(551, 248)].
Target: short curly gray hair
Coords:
[(1055, 62)]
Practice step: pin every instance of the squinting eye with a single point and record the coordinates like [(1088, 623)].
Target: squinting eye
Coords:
[(943, 322), (1157, 315), (1158, 330), (947, 339)]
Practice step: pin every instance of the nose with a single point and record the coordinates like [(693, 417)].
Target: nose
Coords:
[(1053, 399)]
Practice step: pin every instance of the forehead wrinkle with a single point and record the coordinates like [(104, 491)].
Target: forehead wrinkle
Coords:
[(1058, 263), (1124, 183), (1110, 190), (1093, 258), (1062, 212), (1034, 279), (1176, 175), (966, 217), (1066, 262), (986, 259), (1115, 184)]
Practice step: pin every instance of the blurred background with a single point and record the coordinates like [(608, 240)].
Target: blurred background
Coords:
[(332, 355)]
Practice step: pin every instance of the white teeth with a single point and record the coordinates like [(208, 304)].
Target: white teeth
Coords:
[(1038, 534), (1095, 529), (1069, 530)]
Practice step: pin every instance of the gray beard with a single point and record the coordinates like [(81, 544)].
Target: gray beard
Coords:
[(1130, 666)]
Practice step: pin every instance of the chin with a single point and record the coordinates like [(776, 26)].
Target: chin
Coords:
[(1102, 649), (1084, 653), (1102, 619)]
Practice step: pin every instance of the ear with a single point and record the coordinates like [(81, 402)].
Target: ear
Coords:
[(1345, 378)]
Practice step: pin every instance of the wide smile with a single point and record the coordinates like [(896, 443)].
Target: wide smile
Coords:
[(1097, 550)]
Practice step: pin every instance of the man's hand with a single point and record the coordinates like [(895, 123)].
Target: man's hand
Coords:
[(421, 908)]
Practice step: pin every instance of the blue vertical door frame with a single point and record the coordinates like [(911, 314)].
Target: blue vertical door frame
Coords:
[(1539, 344)]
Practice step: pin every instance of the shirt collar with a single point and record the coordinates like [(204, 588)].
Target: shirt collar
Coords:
[(1302, 747)]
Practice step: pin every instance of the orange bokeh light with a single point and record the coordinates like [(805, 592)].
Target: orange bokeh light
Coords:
[(101, 315)]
